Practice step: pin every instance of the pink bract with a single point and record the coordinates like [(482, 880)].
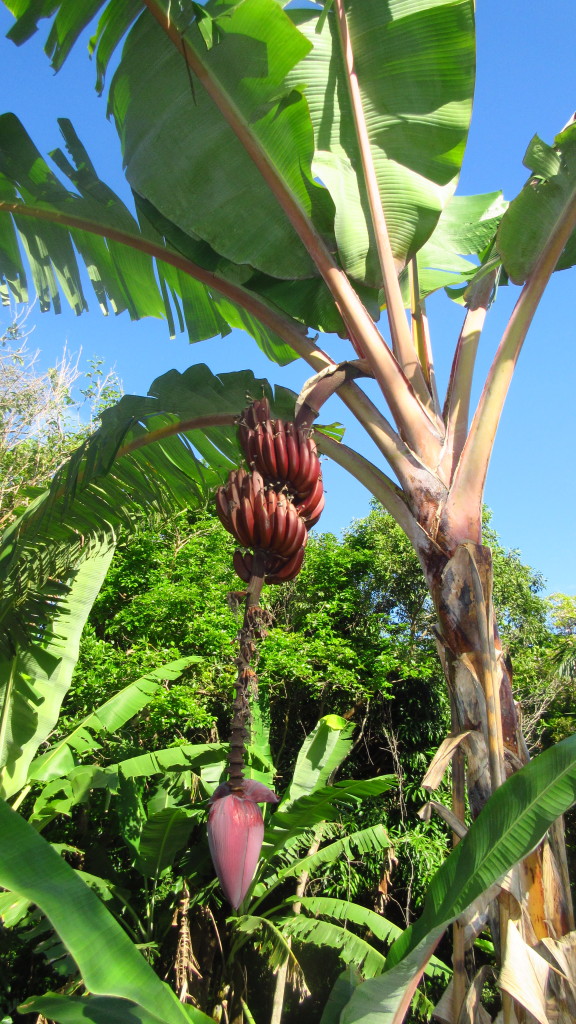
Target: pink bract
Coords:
[(251, 790), (235, 835)]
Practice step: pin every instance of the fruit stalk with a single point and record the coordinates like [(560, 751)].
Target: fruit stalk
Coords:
[(253, 628)]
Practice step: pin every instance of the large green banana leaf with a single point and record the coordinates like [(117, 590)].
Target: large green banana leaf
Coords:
[(164, 834), (321, 753), (324, 803), (512, 823), (116, 479), (207, 760), (351, 947), (181, 154), (109, 963), (415, 68), (539, 210), (113, 714), (96, 1010), (35, 680), (130, 265), (366, 840), (279, 106), (466, 228), (377, 925), (69, 21)]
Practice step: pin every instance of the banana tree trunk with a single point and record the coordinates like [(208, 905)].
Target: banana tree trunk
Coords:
[(479, 679)]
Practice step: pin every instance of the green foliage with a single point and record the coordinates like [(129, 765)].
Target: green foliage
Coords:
[(533, 216), (352, 636), (116, 481), (157, 821), (265, 214), (108, 718), (416, 140), (109, 964), (35, 680)]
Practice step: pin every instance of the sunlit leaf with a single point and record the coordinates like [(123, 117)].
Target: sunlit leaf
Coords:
[(111, 715), (539, 209)]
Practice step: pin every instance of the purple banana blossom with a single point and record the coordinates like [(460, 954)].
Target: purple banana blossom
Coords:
[(235, 834)]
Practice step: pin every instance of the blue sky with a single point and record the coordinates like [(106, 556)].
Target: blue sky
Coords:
[(526, 85)]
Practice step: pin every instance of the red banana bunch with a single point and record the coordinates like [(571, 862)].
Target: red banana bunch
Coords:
[(272, 507), (285, 457), (259, 517)]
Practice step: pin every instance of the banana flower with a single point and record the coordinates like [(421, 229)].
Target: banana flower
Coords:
[(235, 835)]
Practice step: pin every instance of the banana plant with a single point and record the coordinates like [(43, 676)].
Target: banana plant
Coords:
[(314, 156), (35, 678), (119, 980)]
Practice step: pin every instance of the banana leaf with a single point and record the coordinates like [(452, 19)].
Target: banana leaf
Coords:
[(162, 837), (34, 682), (142, 267), (320, 755), (376, 924), (321, 805), (110, 716), (534, 215), (109, 964), (415, 68)]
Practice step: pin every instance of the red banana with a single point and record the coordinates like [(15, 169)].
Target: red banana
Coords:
[(296, 535), (239, 528), (290, 533), (263, 522), (261, 410), (315, 513), (289, 570), (280, 523), (222, 508), (292, 451), (247, 519), (302, 480), (311, 499), (256, 483), (239, 563), (271, 504), (247, 492), (269, 451), (251, 452), (280, 450), (232, 489), (314, 470)]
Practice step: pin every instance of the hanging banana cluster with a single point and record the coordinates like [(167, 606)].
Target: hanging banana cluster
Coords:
[(271, 508)]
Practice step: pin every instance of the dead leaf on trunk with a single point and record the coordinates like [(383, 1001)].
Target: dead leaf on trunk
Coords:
[(524, 975), (441, 760), (471, 1011)]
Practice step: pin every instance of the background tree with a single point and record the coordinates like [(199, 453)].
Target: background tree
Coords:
[(44, 416)]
